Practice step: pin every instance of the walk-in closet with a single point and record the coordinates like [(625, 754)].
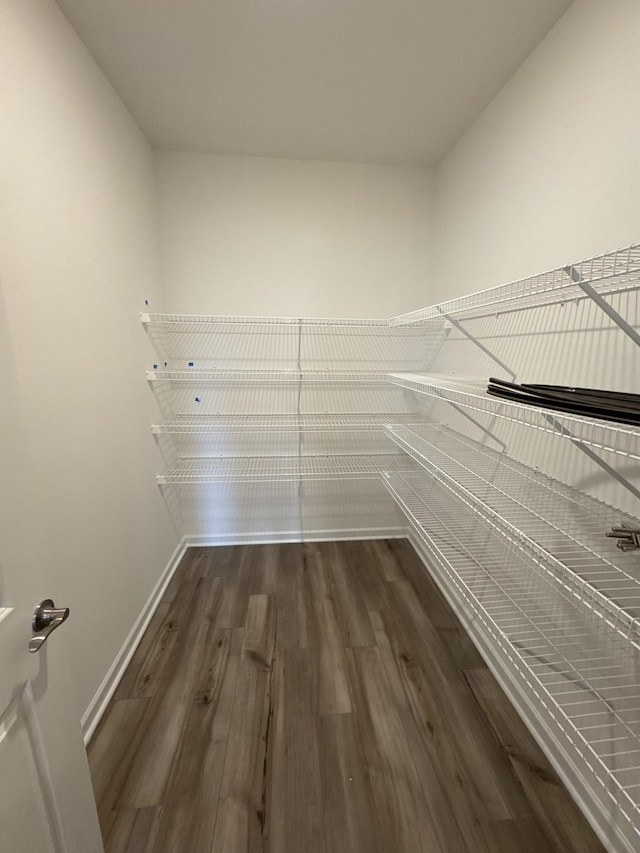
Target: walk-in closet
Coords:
[(320, 435)]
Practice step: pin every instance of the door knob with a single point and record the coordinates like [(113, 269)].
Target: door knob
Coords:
[(46, 618)]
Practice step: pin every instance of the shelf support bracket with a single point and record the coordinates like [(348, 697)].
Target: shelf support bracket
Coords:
[(562, 430), (477, 423), (620, 321), (611, 312), (593, 455), (477, 342), (627, 328)]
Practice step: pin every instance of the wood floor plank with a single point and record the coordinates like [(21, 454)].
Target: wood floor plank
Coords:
[(403, 815), (235, 598), (118, 832), (461, 648), (555, 810), (162, 725), (259, 631), (219, 561), (294, 805), (111, 751), (265, 577), (187, 572), (366, 573), (156, 627), (444, 821), (351, 610), (165, 719), (431, 599), (388, 658), (489, 773), (241, 808), (326, 638), (152, 661), (435, 605), (155, 668), (437, 738), (523, 835), (240, 815), (145, 831), (349, 810), (388, 559), (134, 831), (190, 803), (274, 816), (290, 598)]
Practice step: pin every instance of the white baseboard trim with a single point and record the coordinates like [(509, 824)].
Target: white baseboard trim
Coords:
[(268, 538), (615, 837), (98, 704)]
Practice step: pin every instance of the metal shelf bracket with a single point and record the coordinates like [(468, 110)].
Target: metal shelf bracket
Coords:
[(478, 343), (628, 329)]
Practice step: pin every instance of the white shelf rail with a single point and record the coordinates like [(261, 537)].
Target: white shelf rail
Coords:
[(606, 274), (329, 422), (471, 394), (575, 676), (209, 323), (195, 376), (282, 468)]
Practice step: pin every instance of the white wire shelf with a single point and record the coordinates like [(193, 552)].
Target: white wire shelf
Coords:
[(256, 468), (259, 343), (563, 529), (579, 674), (198, 376), (230, 323), (609, 273), (330, 422), (471, 394)]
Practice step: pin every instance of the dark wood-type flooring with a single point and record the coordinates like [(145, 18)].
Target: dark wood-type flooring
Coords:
[(319, 698)]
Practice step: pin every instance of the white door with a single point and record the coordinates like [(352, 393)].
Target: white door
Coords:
[(46, 800)]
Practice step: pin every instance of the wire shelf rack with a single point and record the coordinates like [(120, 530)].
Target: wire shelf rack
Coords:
[(197, 376), (580, 675), (563, 529), (329, 422), (471, 393), (279, 343), (220, 322), (281, 468), (609, 273)]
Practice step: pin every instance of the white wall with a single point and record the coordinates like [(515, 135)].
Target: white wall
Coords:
[(550, 172), (78, 257), (249, 235)]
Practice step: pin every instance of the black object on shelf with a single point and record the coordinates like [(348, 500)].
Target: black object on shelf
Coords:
[(628, 537), (606, 405)]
